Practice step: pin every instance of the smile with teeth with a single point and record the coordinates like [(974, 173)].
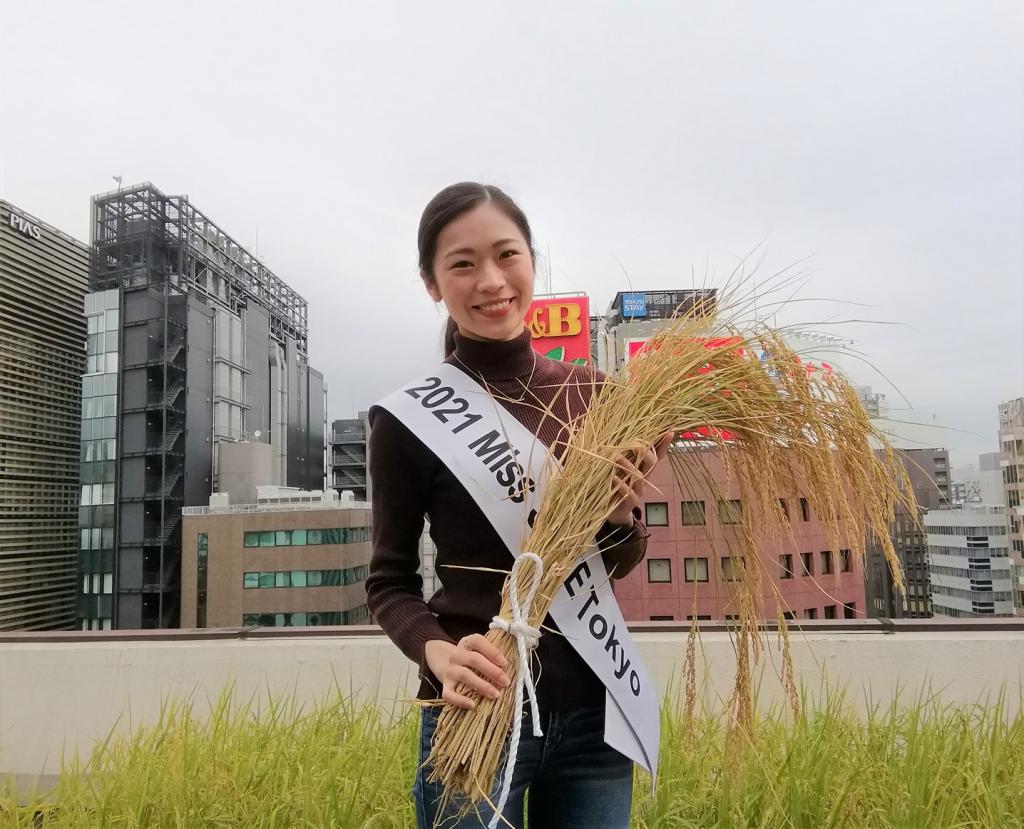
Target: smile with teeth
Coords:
[(500, 305)]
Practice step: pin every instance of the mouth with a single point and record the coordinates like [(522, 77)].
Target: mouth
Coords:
[(497, 308)]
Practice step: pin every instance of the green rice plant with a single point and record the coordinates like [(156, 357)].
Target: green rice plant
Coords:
[(910, 764)]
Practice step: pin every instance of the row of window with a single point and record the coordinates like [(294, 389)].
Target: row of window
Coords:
[(99, 450), (695, 569), (965, 552), (304, 578), (97, 538), (976, 572), (306, 538), (978, 595), (830, 611), (965, 531), (694, 514), (97, 494), (308, 619)]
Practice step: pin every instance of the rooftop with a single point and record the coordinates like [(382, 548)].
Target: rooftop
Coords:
[(73, 689)]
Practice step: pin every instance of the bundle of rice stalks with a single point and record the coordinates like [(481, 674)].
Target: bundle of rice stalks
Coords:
[(778, 428)]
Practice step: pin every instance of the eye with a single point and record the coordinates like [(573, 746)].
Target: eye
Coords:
[(505, 254), (462, 264)]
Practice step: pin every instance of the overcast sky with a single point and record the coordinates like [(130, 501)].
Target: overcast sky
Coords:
[(885, 139)]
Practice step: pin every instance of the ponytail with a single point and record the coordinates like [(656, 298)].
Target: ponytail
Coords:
[(449, 337)]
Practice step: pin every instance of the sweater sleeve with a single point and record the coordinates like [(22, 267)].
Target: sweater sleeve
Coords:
[(623, 548), (399, 467)]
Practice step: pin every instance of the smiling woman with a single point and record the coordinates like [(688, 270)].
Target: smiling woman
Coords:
[(476, 256)]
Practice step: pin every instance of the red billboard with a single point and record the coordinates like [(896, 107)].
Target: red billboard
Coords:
[(560, 327)]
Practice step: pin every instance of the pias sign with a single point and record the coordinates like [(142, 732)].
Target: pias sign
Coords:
[(23, 225), (560, 328)]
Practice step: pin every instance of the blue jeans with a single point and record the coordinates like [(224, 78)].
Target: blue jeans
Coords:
[(574, 778)]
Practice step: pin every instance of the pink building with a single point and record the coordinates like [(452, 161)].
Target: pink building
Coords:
[(688, 566)]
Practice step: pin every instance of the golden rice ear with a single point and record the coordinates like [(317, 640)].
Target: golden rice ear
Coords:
[(774, 427)]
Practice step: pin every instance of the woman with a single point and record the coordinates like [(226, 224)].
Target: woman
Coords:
[(476, 256)]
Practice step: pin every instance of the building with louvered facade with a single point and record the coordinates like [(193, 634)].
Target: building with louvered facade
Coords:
[(43, 279)]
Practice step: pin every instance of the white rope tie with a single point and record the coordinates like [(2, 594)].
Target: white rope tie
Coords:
[(526, 638)]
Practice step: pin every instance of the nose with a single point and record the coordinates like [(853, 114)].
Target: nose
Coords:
[(490, 277)]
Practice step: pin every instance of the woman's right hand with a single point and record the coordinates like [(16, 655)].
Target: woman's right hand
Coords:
[(474, 663)]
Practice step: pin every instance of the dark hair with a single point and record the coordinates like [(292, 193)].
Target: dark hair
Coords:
[(447, 206)]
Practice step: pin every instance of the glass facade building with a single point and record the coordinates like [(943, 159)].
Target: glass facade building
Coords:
[(97, 510), (193, 344)]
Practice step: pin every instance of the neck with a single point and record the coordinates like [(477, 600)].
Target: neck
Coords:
[(495, 359)]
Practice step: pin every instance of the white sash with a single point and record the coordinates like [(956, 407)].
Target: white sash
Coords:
[(490, 452)]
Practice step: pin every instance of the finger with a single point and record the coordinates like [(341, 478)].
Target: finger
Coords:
[(483, 645), (450, 696), (664, 444), (482, 665), (626, 469), (473, 681), (647, 461)]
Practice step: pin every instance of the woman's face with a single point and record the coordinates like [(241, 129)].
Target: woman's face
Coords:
[(483, 272)]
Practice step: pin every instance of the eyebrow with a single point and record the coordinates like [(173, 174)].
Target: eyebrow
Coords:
[(470, 251)]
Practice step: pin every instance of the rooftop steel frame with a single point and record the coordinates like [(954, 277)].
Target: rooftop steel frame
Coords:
[(142, 236)]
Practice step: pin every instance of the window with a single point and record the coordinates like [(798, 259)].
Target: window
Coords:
[(807, 563), (314, 578), (250, 580), (298, 578), (732, 568), (786, 566), (700, 618), (267, 538), (826, 562), (663, 618), (203, 541), (267, 580), (657, 514), (811, 613), (314, 536), (693, 513), (659, 570), (850, 610), (845, 561), (283, 579), (730, 512), (830, 611), (805, 510), (784, 504), (298, 538), (283, 538), (695, 569), (788, 615)]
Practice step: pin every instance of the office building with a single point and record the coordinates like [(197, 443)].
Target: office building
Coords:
[(634, 317), (690, 566), (194, 344), (348, 456), (43, 279), (968, 561), (978, 484), (928, 471), (292, 559), (1011, 460)]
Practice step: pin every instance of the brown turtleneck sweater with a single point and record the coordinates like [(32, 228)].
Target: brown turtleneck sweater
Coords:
[(409, 482)]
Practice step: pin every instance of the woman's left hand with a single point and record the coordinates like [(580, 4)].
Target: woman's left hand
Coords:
[(630, 481)]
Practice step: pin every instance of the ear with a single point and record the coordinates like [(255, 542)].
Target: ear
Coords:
[(431, 286)]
